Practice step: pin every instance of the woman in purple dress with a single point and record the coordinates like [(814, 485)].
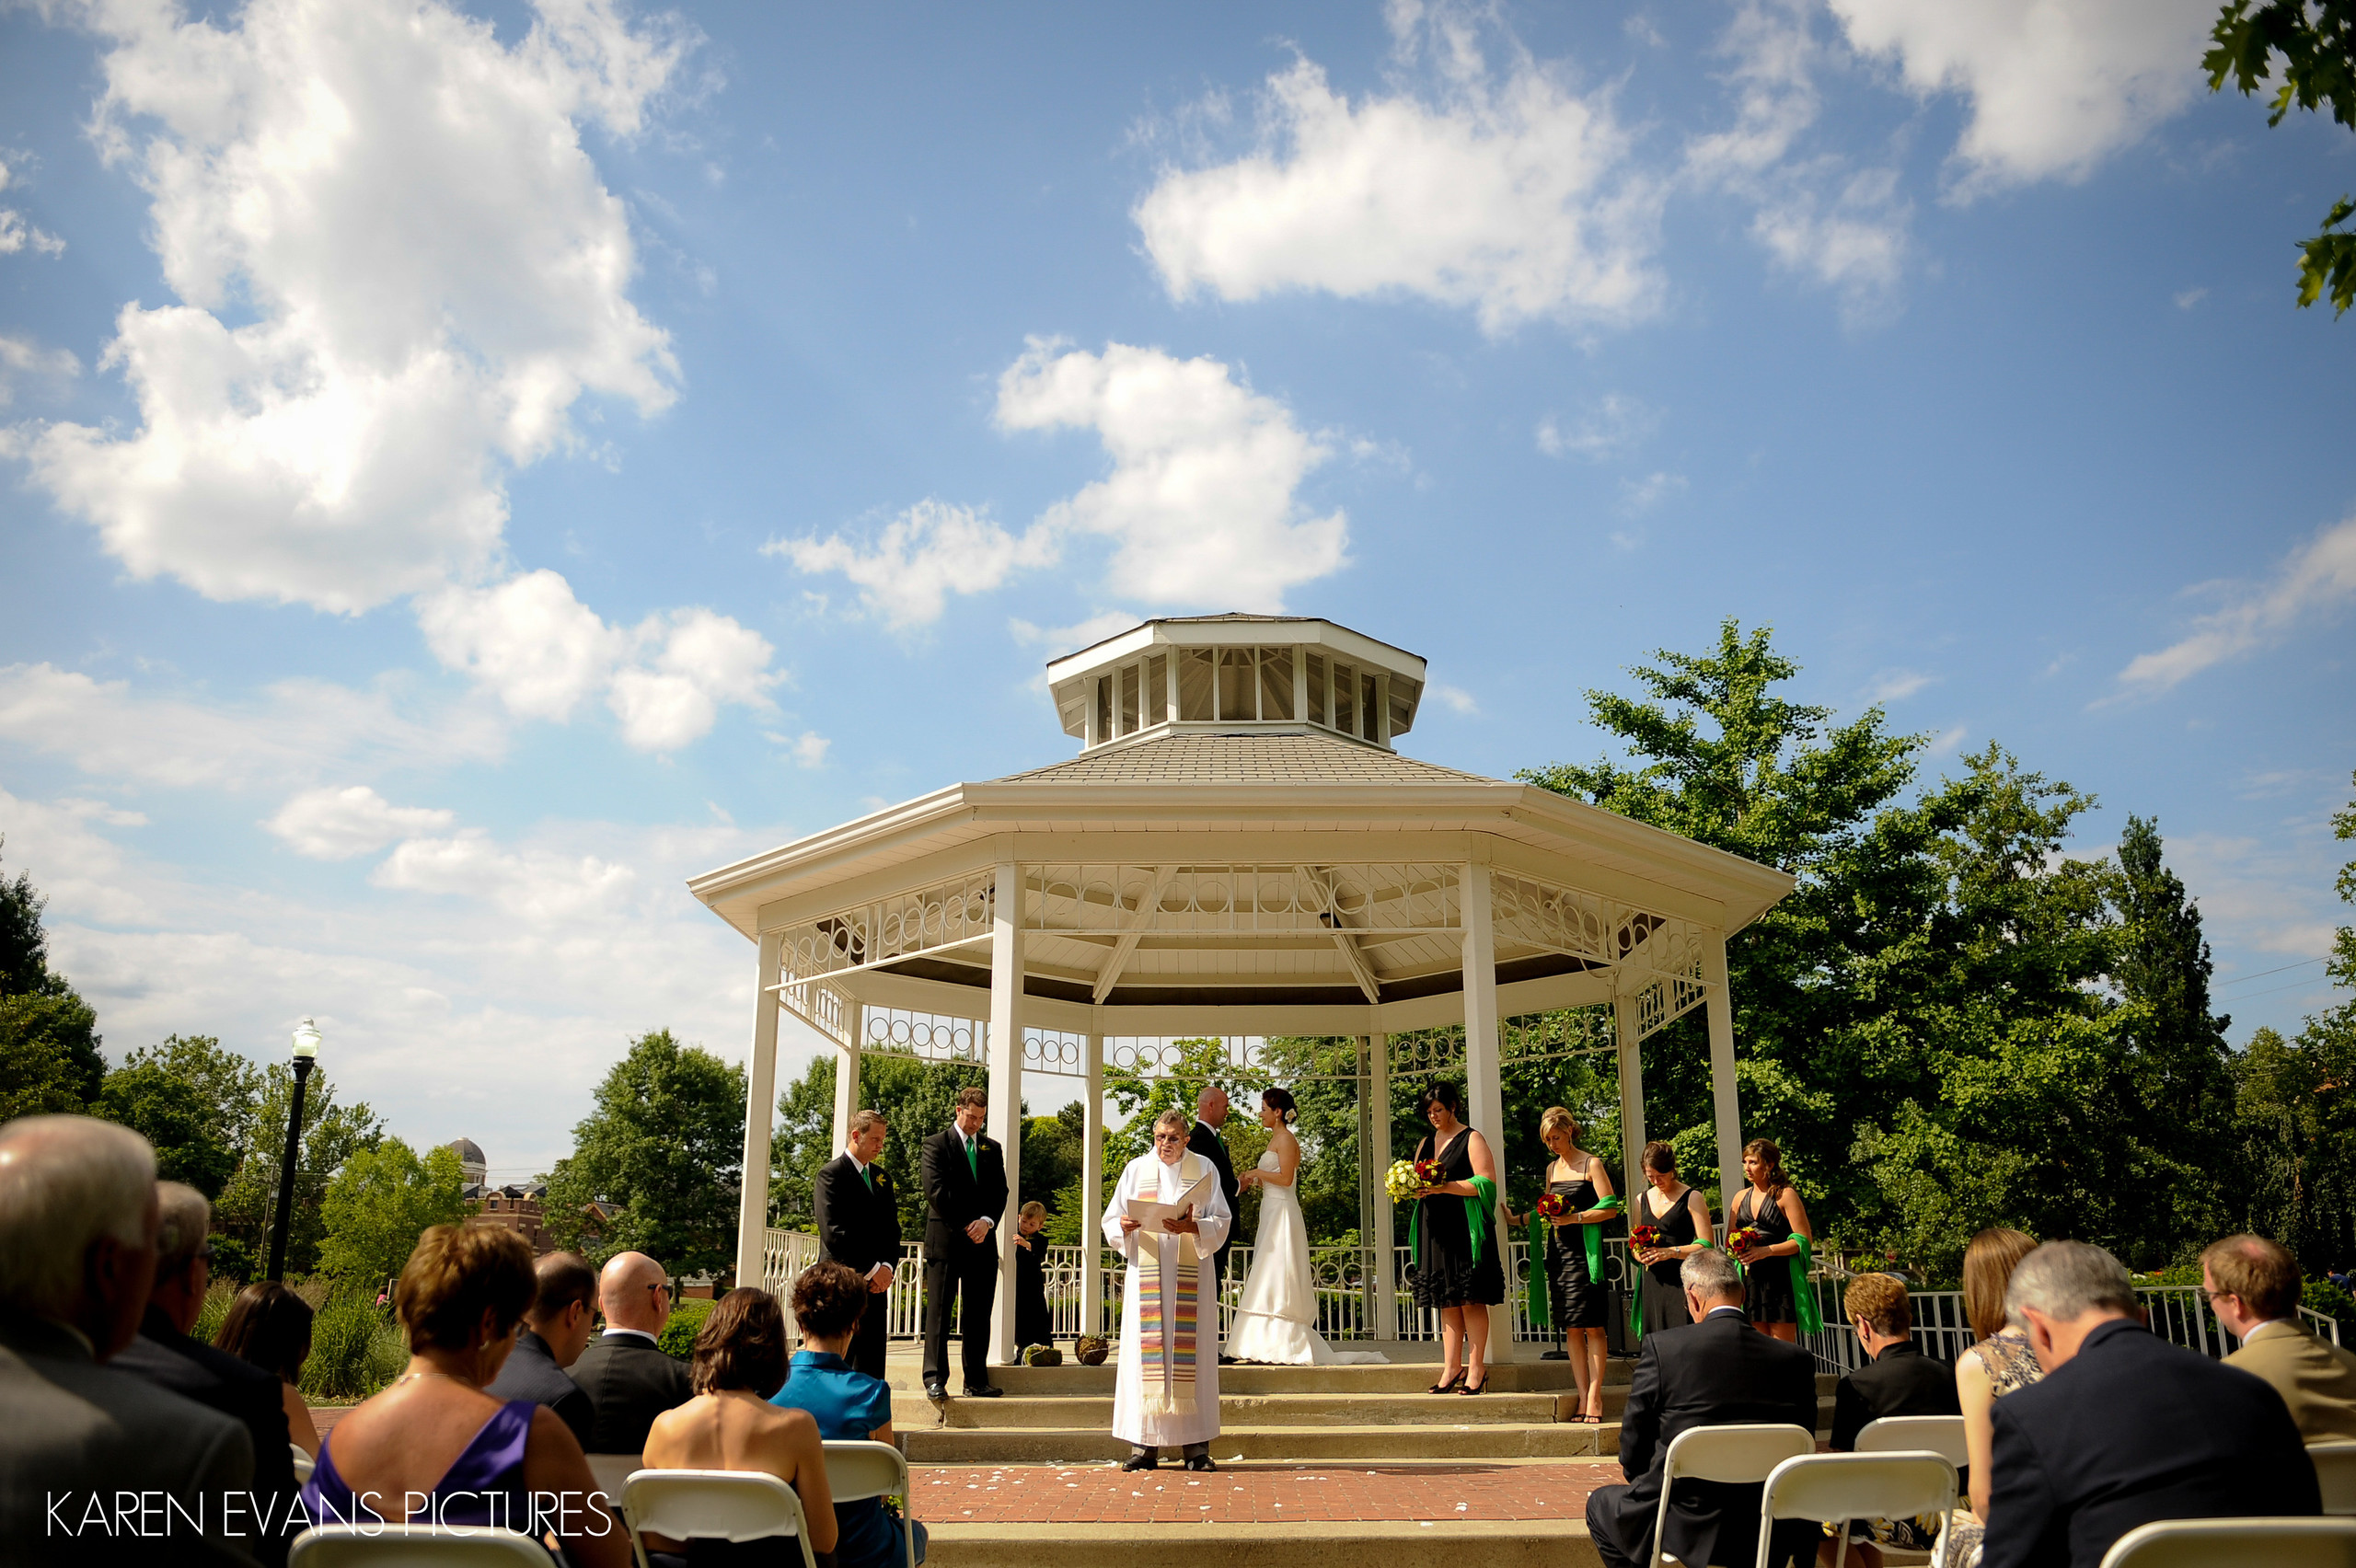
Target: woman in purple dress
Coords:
[(434, 1449)]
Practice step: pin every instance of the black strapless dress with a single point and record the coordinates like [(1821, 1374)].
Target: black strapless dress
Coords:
[(1446, 1274), (1579, 1302)]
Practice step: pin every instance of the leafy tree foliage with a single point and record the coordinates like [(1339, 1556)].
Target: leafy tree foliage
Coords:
[(379, 1204), (2317, 41), (666, 1144), (917, 1098), (49, 1059), (331, 1134), (195, 1101)]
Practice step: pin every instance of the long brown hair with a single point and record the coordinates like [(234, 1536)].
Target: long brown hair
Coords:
[(1988, 1265), (269, 1326), (741, 1345), (1766, 1149)]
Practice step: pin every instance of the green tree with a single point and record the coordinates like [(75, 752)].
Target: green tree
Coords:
[(49, 1059), (2317, 40), (195, 1101), (331, 1134), (379, 1204), (666, 1144), (917, 1097)]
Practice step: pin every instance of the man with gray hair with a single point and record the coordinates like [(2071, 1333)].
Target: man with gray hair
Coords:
[(167, 1357), (2124, 1428), (78, 1260), (1715, 1371)]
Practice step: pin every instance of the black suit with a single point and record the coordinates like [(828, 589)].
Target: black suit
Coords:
[(531, 1373), (1718, 1372), (858, 1226), (2129, 1430), (1204, 1140), (629, 1382), (956, 1193), (238, 1390), (1901, 1380)]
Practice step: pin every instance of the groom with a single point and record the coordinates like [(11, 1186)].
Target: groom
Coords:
[(1210, 1115)]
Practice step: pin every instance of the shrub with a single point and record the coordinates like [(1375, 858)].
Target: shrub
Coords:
[(356, 1348), (678, 1336), (233, 1261), (209, 1318)]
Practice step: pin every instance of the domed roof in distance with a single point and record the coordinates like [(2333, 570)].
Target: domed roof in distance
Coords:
[(468, 1151)]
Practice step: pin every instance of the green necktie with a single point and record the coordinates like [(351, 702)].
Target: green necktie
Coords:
[(867, 1174), (974, 1156)]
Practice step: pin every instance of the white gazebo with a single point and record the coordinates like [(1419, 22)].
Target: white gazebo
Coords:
[(1237, 852)]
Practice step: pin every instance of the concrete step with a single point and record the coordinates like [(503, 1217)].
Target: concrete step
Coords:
[(1307, 1544), (1287, 1410), (1072, 1380), (1325, 1444)]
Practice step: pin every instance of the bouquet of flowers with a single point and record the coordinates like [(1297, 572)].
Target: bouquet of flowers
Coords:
[(1644, 1238), (1401, 1181), (1744, 1240), (1430, 1173), (1551, 1205)]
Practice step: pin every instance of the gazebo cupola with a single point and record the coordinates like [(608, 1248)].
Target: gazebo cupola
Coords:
[(1238, 850), (1287, 674)]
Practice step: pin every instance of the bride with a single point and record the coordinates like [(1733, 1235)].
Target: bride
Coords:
[(1276, 1321)]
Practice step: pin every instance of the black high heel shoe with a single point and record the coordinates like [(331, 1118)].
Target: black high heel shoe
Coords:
[(1480, 1388), (1453, 1386)]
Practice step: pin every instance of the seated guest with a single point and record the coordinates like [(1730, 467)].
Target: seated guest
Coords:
[(2253, 1286), (433, 1447), (269, 1325), (164, 1356), (77, 1257), (730, 1424), (1899, 1379), (2001, 1362), (2124, 1428), (1715, 1371), (848, 1405), (555, 1332), (628, 1378)]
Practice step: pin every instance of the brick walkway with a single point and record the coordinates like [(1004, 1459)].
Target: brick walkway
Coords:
[(1101, 1495)]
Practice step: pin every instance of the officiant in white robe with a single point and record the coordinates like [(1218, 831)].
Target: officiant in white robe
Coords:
[(1168, 1393)]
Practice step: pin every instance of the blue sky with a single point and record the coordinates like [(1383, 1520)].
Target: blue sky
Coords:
[(469, 470)]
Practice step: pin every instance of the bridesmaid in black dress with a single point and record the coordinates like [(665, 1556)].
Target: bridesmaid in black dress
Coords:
[(1772, 1207), (1677, 1211), (1580, 1302), (1448, 1279)]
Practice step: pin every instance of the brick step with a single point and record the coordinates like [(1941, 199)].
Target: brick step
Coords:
[(1308, 1544), (1326, 1444), (1072, 1380), (1280, 1410)]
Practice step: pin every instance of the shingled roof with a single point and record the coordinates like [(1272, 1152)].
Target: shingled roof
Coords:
[(1195, 756)]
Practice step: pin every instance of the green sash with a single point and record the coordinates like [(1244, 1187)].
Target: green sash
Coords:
[(1594, 1239), (1477, 1221), (1804, 1307)]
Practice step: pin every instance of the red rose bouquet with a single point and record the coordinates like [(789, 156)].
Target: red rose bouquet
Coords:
[(1551, 1205), (1644, 1238), (1744, 1240), (1430, 1173)]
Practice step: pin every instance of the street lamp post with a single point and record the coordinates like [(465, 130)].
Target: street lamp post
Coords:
[(306, 1050)]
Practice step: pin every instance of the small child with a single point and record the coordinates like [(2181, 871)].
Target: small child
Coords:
[(1034, 1325)]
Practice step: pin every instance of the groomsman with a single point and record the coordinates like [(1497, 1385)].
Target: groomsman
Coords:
[(964, 1196), (1210, 1115), (858, 1226)]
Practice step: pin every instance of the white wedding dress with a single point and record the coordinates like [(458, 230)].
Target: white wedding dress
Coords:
[(1277, 1320)]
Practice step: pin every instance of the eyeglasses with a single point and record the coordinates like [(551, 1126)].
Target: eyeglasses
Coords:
[(1169, 1137)]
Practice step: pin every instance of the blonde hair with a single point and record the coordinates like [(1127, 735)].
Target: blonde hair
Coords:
[(456, 1274), (1034, 1209), (1556, 1119)]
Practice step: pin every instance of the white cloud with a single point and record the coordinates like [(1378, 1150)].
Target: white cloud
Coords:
[(1892, 686), (809, 749), (16, 233), (542, 650), (1642, 495), (398, 272), (2055, 86), (1201, 501), (2318, 579), (1458, 699), (1612, 426), (2186, 298), (1507, 192), (1817, 215), (1201, 504), (1948, 741), (931, 550), (541, 886), (22, 360), (1071, 638), (299, 730), (336, 825)]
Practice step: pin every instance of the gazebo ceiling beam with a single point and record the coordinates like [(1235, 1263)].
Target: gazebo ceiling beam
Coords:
[(1348, 946), (1127, 944)]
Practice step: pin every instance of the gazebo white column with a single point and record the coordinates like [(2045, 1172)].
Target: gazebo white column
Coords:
[(1386, 1243), (1632, 1094), (1726, 1109), (1091, 1190), (760, 1112), (846, 1072), (1005, 1115), (1483, 1075)]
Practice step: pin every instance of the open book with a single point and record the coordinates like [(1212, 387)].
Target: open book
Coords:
[(1149, 1212)]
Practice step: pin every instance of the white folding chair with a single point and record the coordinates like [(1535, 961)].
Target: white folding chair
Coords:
[(858, 1471), (2336, 1474), (2237, 1543), (304, 1463), (413, 1545), (1738, 1455), (1918, 1433), (1836, 1488), (729, 1505)]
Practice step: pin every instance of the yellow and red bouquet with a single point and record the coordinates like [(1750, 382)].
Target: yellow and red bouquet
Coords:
[(1745, 1239), (1551, 1205), (1644, 1238)]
